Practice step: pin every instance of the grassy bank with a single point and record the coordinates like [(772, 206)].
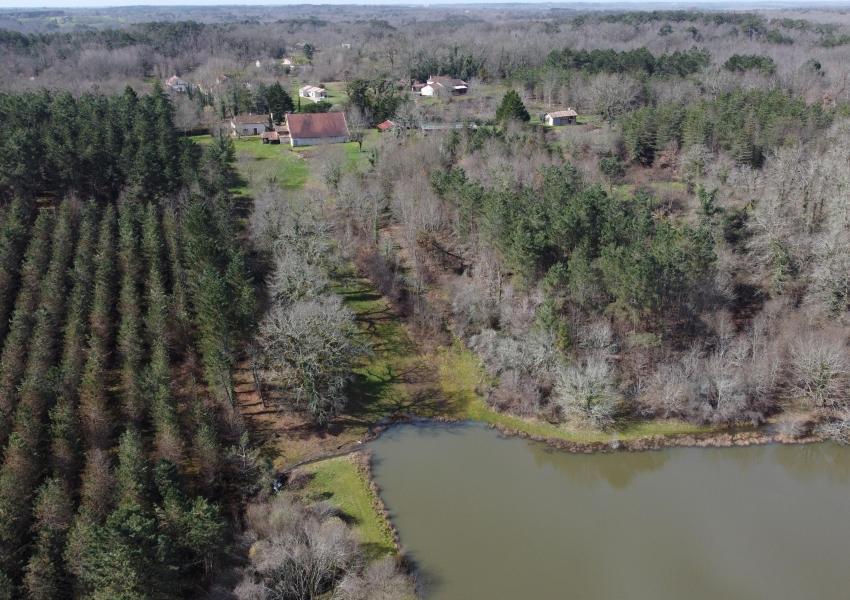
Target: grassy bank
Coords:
[(342, 482), (461, 376)]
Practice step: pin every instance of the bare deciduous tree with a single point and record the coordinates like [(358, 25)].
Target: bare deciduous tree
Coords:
[(586, 392), (313, 346), (821, 369)]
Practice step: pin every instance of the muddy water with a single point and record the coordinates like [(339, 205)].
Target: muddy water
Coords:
[(491, 518)]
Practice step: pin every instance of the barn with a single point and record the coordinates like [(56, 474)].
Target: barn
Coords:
[(311, 129)]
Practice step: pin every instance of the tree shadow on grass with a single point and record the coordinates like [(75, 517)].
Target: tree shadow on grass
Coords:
[(377, 399)]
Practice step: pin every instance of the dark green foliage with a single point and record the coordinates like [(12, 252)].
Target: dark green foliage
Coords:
[(833, 41), (130, 344), (133, 473), (193, 526), (158, 374), (13, 359), (23, 463), (314, 107), (612, 167), (615, 252), (279, 102), (14, 234), (79, 304), (454, 62), (160, 551), (222, 293), (92, 145), (120, 558), (746, 124), (215, 168), (54, 287), (69, 380), (103, 296), (206, 447), (640, 61), (750, 62), (45, 574), (774, 36), (65, 440), (512, 108), (179, 299), (95, 412), (377, 99)]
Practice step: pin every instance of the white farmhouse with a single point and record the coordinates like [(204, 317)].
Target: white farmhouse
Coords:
[(311, 92), (444, 85), (248, 125)]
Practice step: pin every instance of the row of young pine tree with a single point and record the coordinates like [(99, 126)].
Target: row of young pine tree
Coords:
[(94, 146), (120, 322)]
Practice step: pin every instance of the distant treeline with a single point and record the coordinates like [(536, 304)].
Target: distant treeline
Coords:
[(640, 61)]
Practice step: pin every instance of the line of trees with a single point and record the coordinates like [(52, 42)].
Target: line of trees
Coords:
[(639, 61), (93, 146), (308, 339), (746, 124)]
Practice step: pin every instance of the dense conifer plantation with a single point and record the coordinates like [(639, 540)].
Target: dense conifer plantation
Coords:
[(113, 479)]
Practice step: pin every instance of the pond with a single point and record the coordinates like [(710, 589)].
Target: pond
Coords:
[(485, 517)]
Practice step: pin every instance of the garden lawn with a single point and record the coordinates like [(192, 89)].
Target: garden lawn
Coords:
[(275, 160)]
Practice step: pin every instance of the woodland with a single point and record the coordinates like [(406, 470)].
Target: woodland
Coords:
[(679, 257)]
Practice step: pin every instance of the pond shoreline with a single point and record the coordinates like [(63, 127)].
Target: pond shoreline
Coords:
[(715, 439), (711, 439)]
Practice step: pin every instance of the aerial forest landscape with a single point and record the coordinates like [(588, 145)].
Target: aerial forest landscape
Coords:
[(479, 301)]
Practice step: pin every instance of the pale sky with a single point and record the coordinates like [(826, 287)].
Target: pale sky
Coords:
[(728, 4)]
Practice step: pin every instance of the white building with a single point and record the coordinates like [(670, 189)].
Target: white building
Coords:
[(444, 85), (248, 125), (311, 92), (175, 84), (561, 117)]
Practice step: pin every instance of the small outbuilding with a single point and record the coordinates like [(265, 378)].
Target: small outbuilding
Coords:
[(386, 125), (438, 84), (248, 124), (314, 93), (175, 84), (270, 137), (311, 129), (561, 117)]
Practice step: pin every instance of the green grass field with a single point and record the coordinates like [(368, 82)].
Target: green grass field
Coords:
[(341, 482), (258, 163)]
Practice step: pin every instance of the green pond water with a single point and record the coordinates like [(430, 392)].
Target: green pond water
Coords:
[(485, 517)]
